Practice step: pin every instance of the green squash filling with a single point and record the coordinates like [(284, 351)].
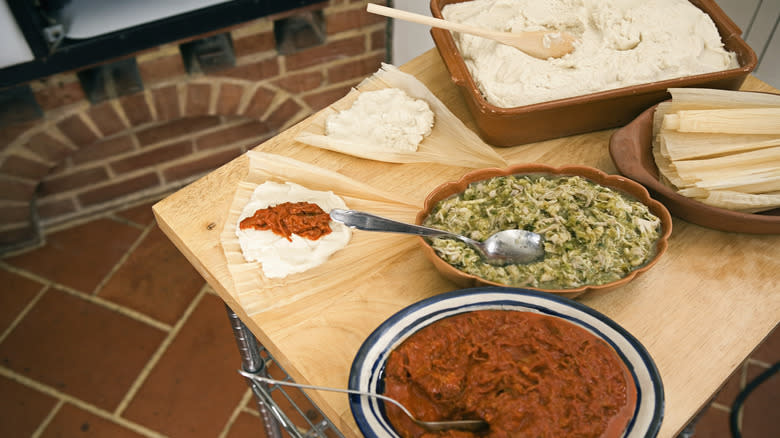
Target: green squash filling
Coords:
[(592, 234)]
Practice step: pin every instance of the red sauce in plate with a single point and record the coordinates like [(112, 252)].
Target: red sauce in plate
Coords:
[(302, 218), (526, 374)]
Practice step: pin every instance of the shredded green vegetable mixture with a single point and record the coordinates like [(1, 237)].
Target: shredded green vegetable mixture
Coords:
[(593, 235)]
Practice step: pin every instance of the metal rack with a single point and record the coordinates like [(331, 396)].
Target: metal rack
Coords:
[(255, 360)]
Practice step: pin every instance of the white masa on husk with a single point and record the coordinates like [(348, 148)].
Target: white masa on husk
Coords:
[(278, 256)]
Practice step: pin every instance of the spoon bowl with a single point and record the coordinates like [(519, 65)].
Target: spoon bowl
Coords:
[(512, 247), (434, 426), (502, 248)]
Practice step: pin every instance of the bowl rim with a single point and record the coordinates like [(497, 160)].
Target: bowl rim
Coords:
[(615, 182), (367, 370)]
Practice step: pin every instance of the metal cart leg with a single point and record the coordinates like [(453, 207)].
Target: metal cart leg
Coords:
[(274, 419), (252, 362)]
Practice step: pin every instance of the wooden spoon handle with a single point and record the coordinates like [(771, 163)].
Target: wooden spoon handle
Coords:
[(539, 44), (430, 21)]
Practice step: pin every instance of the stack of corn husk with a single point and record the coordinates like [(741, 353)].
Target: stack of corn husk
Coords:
[(720, 147)]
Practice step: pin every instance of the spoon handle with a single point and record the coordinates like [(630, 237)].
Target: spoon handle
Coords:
[(539, 44), (429, 21), (370, 222), (324, 388)]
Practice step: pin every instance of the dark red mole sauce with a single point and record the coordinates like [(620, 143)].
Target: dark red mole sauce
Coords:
[(526, 374), (302, 218)]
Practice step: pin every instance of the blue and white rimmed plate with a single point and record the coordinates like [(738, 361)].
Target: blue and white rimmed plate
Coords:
[(367, 372)]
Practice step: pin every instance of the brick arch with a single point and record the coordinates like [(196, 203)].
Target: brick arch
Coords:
[(178, 129)]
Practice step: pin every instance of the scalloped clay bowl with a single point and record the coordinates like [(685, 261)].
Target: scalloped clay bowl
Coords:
[(616, 182), (631, 150)]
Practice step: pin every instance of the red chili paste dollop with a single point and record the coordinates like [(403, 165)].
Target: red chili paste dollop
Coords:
[(302, 218), (526, 374)]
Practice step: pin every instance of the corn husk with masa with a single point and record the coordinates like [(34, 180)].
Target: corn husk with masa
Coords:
[(365, 253), (450, 141)]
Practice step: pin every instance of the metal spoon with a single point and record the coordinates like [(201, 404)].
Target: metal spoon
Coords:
[(539, 44), (502, 248), (470, 425)]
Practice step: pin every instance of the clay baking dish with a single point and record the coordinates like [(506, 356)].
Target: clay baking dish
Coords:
[(587, 113), (631, 150), (615, 182)]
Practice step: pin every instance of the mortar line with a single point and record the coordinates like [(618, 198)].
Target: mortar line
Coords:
[(49, 417), (181, 94), (236, 412), (720, 406), (246, 97), (253, 411), (757, 362), (120, 112), (122, 260), (47, 420), (213, 97), (67, 398), (23, 313), (743, 381), (126, 311), (152, 362), (26, 274), (115, 217), (122, 310), (89, 214)]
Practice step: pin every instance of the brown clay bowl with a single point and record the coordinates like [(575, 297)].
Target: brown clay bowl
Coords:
[(591, 112), (615, 182), (631, 151)]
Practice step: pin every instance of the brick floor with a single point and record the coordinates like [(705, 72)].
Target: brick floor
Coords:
[(108, 331)]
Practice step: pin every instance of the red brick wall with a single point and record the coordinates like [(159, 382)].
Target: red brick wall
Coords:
[(81, 160)]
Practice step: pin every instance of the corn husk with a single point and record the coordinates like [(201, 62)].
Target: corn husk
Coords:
[(737, 201), (256, 292), (687, 145), (714, 98), (762, 182), (450, 141), (666, 168), (720, 147), (662, 110), (726, 121), (745, 163)]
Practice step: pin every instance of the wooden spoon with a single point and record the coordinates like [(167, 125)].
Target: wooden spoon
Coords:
[(539, 44)]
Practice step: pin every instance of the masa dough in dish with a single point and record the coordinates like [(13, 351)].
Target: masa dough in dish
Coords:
[(620, 43), (279, 256)]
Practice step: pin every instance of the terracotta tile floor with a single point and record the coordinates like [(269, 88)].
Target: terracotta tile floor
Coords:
[(107, 331)]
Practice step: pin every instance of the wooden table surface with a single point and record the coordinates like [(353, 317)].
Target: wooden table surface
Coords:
[(711, 299)]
